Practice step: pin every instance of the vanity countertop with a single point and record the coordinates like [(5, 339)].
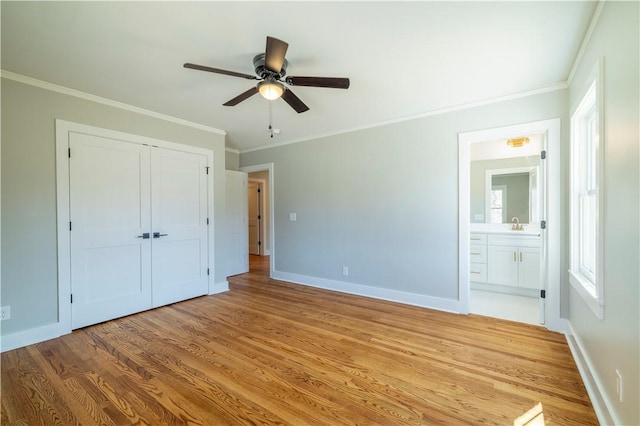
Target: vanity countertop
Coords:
[(503, 228)]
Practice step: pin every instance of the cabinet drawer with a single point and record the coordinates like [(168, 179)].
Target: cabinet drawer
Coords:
[(514, 240), (478, 272), (478, 253), (478, 238)]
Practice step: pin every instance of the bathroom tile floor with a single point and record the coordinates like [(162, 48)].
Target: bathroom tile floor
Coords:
[(505, 306)]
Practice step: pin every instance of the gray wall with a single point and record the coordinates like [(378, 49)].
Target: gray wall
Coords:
[(383, 201), (232, 160), (29, 259), (613, 342)]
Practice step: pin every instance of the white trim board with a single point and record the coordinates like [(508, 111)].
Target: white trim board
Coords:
[(601, 404), (220, 287), (550, 238), (105, 101), (421, 300), (558, 86), (23, 338)]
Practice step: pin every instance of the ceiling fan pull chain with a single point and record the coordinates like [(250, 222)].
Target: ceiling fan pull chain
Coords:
[(270, 119)]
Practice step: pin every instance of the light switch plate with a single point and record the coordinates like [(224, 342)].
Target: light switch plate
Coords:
[(292, 217)]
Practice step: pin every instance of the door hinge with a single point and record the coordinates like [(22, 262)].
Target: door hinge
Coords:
[(543, 224), (69, 225), (543, 294), (207, 168), (207, 221), (258, 190), (69, 151), (543, 155), (72, 298), (259, 243), (207, 271), (259, 217)]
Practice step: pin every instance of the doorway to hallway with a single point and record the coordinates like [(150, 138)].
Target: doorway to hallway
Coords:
[(255, 215)]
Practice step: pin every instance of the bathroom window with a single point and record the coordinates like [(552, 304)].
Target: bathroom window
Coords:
[(498, 201), (585, 272)]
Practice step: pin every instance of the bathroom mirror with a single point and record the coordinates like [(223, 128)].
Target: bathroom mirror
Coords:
[(511, 193), (504, 188)]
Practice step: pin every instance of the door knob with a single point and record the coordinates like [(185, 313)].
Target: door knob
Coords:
[(158, 235), (144, 236)]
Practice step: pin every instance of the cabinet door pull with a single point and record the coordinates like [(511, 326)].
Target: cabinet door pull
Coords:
[(520, 256), (514, 257), (477, 253)]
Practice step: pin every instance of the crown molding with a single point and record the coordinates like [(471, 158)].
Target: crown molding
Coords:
[(558, 86), (232, 150), (105, 101), (585, 41)]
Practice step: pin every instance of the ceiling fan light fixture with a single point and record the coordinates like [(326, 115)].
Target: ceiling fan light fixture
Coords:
[(271, 89), (517, 142)]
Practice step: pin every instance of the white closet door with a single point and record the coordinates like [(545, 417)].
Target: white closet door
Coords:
[(179, 222), (236, 238), (109, 206)]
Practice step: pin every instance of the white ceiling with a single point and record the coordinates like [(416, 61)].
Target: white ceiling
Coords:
[(404, 59)]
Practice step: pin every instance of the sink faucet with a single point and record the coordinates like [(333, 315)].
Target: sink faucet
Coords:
[(517, 226)]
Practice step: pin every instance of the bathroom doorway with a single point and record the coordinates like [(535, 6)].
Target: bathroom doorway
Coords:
[(496, 274), (504, 200)]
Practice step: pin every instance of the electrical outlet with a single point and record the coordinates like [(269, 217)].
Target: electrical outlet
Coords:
[(345, 271), (619, 385), (5, 313)]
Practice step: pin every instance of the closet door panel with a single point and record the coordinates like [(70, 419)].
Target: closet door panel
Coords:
[(109, 210), (179, 222)]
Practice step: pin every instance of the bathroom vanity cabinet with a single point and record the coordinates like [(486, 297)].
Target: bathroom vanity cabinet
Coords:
[(509, 260)]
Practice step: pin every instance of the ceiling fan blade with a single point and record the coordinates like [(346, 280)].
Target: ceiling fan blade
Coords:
[(332, 82), (274, 54), (219, 71), (294, 101), (241, 97)]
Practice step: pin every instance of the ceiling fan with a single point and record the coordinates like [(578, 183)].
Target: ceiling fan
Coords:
[(271, 68)]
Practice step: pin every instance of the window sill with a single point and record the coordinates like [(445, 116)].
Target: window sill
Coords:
[(596, 305)]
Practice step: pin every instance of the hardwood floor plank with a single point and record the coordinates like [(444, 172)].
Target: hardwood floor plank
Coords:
[(269, 352)]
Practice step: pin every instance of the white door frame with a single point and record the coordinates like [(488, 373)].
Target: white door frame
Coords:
[(63, 128), (550, 237), (261, 168), (263, 223)]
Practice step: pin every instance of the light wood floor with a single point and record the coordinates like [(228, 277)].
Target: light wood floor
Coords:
[(269, 352)]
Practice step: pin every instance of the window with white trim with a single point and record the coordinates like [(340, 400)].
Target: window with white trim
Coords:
[(498, 204), (585, 268)]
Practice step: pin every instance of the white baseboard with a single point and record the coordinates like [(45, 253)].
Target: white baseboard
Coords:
[(32, 336), (601, 403), (219, 287), (438, 303)]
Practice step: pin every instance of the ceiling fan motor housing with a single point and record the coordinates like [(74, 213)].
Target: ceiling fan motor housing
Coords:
[(263, 72)]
